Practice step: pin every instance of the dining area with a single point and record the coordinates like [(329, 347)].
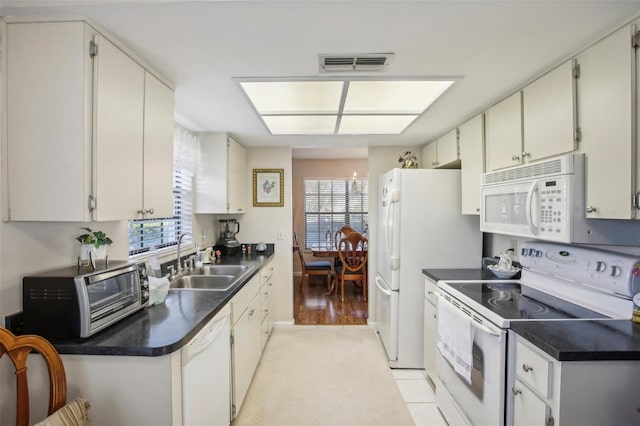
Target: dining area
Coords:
[(332, 287)]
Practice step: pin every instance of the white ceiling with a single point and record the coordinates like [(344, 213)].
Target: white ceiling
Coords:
[(200, 46)]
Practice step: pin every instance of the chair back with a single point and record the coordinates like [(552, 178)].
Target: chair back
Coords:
[(353, 251), (18, 348), (341, 233)]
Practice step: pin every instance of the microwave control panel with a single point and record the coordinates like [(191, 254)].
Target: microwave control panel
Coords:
[(554, 212)]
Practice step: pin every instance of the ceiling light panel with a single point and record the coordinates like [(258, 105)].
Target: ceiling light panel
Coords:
[(393, 97), (300, 124), (374, 124), (294, 97)]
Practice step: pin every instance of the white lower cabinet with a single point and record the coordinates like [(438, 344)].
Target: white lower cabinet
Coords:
[(430, 329), (246, 339), (266, 273), (545, 391)]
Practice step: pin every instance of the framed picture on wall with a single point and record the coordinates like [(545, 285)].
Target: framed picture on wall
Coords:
[(268, 187)]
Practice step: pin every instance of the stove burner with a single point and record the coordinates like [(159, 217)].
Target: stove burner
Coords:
[(525, 306)]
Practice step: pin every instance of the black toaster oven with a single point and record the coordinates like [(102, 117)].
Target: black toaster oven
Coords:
[(79, 302)]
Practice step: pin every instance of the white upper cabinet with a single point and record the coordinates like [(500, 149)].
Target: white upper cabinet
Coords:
[(48, 114), (75, 125), (119, 106), (606, 103), (158, 149), (442, 152), (221, 181), (549, 118), (503, 133), (430, 155), (471, 139)]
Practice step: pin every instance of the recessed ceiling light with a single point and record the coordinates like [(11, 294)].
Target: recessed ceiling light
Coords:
[(341, 106)]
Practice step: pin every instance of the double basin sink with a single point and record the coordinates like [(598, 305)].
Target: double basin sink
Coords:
[(211, 277)]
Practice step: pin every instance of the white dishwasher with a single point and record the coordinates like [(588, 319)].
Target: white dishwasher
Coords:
[(206, 374)]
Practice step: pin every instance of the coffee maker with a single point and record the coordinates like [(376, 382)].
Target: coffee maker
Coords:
[(227, 242)]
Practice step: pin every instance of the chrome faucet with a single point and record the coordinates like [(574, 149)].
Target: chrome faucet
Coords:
[(179, 268)]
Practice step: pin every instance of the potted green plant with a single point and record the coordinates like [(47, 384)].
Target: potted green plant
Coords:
[(93, 241)]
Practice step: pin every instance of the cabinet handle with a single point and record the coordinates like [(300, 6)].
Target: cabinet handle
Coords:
[(516, 391), (478, 209), (525, 154), (527, 368), (251, 312), (515, 157), (149, 211), (141, 212), (591, 209)]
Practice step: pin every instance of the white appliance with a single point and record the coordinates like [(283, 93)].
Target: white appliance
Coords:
[(206, 374), (546, 200), (419, 226), (558, 282)]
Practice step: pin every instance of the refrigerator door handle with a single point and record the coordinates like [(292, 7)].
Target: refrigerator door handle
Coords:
[(381, 286)]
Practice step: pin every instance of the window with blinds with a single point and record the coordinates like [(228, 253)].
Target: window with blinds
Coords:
[(332, 203), (145, 234)]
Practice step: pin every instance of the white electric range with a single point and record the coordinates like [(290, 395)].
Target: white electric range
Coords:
[(558, 282)]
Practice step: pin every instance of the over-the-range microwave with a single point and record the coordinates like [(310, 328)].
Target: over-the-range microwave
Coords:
[(546, 200)]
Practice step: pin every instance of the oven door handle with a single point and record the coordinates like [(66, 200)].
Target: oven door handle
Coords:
[(484, 328)]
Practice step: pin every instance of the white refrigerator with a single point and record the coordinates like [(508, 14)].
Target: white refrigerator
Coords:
[(419, 227)]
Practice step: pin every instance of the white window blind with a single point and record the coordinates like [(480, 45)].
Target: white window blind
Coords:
[(158, 233), (332, 203)]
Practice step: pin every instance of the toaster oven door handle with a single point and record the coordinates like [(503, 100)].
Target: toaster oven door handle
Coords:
[(529, 208)]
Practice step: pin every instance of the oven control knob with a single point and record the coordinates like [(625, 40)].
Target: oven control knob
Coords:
[(601, 266), (523, 252), (538, 253), (616, 271)]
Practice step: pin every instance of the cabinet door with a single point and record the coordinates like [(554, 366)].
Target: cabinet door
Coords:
[(211, 177), (448, 148), (528, 408), (471, 140), (237, 189), (430, 339), (548, 111), (48, 116), (158, 148), (503, 133), (605, 105), (118, 132), (430, 155), (247, 347)]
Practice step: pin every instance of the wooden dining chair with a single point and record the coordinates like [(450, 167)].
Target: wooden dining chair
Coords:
[(18, 348), (341, 233), (353, 252), (319, 267)]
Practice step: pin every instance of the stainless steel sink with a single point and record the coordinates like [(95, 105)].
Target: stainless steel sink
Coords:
[(204, 282), (235, 270)]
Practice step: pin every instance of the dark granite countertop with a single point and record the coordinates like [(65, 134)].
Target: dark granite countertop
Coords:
[(461, 274), (583, 340), (161, 329)]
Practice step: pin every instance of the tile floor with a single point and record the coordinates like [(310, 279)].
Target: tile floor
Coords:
[(419, 396)]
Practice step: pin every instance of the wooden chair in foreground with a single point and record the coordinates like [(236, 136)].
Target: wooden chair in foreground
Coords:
[(353, 251), (18, 348), (320, 267)]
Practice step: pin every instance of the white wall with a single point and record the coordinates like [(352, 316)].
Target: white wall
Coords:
[(263, 223)]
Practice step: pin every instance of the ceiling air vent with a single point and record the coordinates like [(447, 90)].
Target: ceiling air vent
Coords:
[(366, 62)]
